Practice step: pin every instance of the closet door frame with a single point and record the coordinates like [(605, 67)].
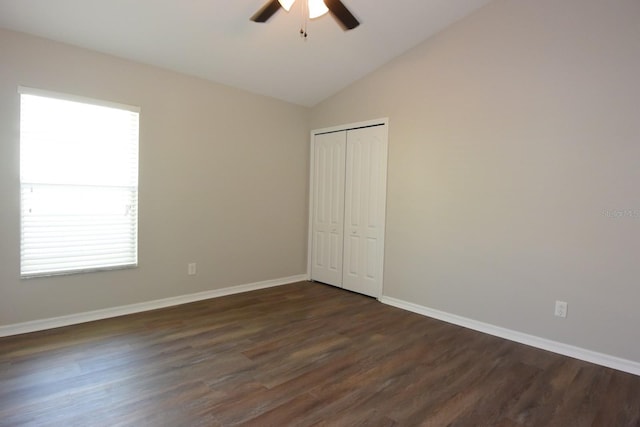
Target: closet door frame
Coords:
[(345, 127)]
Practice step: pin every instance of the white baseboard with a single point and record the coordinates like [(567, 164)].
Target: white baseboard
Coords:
[(520, 337), (89, 316)]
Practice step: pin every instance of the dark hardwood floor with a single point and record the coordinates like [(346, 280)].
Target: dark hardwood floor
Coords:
[(301, 354)]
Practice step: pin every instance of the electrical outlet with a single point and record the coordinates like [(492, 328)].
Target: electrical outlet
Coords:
[(191, 269), (561, 309)]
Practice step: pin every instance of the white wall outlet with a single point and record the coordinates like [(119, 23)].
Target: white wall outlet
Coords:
[(191, 269), (561, 309)]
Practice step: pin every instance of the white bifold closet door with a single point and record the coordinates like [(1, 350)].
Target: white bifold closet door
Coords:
[(348, 208), (328, 207), (364, 208)]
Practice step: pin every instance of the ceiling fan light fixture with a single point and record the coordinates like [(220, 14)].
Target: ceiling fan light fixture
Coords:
[(311, 9), (286, 4), (317, 8)]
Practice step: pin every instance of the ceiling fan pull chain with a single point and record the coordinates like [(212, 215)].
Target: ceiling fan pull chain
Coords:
[(305, 14)]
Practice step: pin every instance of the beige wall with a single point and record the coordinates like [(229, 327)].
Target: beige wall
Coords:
[(223, 182), (512, 134)]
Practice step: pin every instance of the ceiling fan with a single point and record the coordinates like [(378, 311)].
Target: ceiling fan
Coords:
[(316, 8)]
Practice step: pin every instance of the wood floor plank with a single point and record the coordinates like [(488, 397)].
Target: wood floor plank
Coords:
[(616, 408), (298, 355)]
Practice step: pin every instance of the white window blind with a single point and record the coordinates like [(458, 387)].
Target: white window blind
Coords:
[(79, 184)]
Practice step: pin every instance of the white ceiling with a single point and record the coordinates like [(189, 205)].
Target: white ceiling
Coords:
[(215, 40)]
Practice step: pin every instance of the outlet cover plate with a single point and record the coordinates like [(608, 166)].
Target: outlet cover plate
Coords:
[(561, 309), (191, 269)]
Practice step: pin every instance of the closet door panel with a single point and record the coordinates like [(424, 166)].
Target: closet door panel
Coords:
[(328, 208), (365, 189)]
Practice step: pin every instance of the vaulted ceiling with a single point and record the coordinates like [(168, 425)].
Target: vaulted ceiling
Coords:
[(215, 40)]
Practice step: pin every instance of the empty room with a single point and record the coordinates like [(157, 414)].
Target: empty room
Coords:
[(319, 213)]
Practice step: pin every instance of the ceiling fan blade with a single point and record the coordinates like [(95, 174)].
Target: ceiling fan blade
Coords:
[(266, 12), (342, 14)]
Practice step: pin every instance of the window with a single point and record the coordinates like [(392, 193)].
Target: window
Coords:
[(79, 184)]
